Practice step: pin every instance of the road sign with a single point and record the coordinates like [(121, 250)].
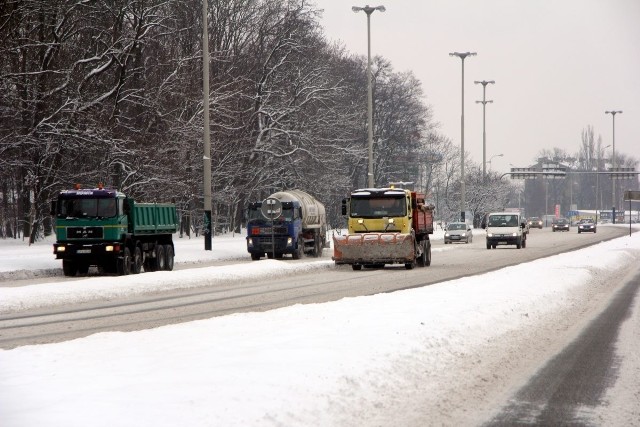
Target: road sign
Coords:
[(271, 208), (631, 196), (524, 173), (623, 173)]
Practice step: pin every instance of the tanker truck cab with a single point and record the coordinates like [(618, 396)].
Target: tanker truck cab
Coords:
[(506, 228)]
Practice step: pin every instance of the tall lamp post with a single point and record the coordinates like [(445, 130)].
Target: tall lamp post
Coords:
[(613, 162), (598, 182), (492, 157), (463, 203), (369, 10), (206, 157), (484, 102)]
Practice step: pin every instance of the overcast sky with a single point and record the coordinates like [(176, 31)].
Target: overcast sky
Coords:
[(558, 66)]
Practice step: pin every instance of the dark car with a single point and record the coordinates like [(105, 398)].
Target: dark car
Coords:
[(586, 225), (534, 222), (560, 224)]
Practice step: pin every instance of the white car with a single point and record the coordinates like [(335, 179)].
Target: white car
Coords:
[(458, 232)]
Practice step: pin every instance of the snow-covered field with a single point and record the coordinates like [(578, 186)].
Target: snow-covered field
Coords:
[(433, 353)]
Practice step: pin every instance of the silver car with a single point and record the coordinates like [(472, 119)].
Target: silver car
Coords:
[(458, 232)]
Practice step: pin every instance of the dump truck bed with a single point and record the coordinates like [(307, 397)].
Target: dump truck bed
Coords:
[(153, 218)]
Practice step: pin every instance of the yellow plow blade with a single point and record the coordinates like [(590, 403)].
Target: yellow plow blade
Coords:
[(373, 248)]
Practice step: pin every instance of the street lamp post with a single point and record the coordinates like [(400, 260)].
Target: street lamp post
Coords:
[(463, 203), (495, 155), (369, 10), (598, 182), (613, 162), (206, 157), (484, 102)]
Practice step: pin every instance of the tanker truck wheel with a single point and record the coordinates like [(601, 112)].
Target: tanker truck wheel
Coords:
[(299, 252), (317, 246)]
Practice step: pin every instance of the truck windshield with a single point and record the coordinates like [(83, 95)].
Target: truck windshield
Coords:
[(376, 207), (87, 207), (255, 214)]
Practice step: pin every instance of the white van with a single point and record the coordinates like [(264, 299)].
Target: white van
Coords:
[(506, 228)]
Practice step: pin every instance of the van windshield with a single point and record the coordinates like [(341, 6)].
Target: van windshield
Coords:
[(503, 221)]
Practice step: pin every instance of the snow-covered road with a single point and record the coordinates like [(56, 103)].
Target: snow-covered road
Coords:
[(448, 353)]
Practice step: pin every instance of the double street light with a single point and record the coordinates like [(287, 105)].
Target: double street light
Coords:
[(613, 158), (598, 182), (369, 10), (463, 203), (484, 102)]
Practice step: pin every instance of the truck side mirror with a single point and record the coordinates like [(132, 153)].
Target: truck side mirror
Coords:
[(344, 206)]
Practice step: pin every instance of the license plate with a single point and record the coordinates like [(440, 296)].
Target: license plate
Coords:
[(84, 251)]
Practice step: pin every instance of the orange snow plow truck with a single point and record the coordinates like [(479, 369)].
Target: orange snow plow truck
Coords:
[(385, 226)]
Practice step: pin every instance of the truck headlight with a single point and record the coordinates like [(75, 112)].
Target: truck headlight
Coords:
[(289, 241), (250, 241), (446, 234), (514, 234), (464, 234), (60, 248), (489, 234)]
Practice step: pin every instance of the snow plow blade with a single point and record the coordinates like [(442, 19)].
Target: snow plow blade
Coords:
[(374, 248)]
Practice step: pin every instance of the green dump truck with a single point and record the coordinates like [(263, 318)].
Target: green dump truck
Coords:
[(104, 228)]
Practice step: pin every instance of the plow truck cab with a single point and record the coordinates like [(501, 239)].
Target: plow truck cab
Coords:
[(385, 226)]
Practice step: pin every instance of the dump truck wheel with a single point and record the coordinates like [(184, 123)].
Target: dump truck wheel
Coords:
[(83, 268), (123, 264), (356, 267), (136, 265), (428, 260), (168, 257), (422, 260), (69, 268), (159, 260), (255, 257)]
